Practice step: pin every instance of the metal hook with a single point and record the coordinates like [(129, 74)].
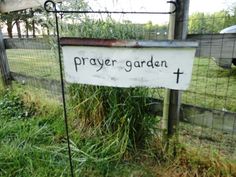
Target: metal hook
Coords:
[(50, 6), (175, 4)]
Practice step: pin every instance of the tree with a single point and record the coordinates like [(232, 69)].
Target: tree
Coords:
[(197, 23), (16, 18), (8, 19), (201, 23), (11, 19), (26, 18)]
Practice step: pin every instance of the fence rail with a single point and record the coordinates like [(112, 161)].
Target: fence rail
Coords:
[(27, 43), (221, 47)]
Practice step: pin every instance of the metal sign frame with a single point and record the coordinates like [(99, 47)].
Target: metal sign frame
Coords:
[(50, 7)]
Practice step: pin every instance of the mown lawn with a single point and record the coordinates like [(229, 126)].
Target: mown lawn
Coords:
[(37, 63), (212, 86)]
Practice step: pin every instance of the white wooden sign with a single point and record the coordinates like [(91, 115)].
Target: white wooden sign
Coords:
[(128, 63)]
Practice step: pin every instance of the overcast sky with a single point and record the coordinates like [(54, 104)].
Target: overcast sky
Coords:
[(208, 6)]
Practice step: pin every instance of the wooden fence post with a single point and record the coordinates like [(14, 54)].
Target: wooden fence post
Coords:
[(4, 66)]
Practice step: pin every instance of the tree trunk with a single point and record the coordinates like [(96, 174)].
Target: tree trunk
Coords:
[(9, 29), (33, 27), (18, 28), (33, 22), (48, 32), (27, 28)]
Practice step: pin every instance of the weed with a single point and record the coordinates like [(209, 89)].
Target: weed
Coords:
[(113, 109), (12, 106)]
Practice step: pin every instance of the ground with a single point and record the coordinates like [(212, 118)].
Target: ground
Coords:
[(32, 143)]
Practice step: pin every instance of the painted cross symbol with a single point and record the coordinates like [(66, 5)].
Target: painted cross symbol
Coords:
[(178, 73)]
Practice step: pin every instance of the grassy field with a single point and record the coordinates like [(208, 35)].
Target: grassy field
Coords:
[(209, 139), (32, 143), (212, 86), (37, 63)]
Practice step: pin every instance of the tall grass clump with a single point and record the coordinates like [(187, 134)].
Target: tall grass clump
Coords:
[(113, 110), (112, 123)]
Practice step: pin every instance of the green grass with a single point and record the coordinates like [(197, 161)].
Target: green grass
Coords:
[(212, 86), (209, 139), (35, 145), (37, 63), (28, 143)]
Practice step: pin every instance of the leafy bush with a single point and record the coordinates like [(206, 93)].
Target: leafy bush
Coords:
[(12, 106)]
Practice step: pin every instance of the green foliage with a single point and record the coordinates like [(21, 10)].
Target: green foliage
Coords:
[(109, 124), (114, 110), (12, 106), (109, 28), (202, 23), (25, 147), (25, 144), (16, 17), (74, 5)]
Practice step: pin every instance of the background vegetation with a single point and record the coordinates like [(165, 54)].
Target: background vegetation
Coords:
[(202, 23)]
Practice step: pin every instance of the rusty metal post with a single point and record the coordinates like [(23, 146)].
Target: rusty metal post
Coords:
[(166, 104), (177, 30), (180, 33)]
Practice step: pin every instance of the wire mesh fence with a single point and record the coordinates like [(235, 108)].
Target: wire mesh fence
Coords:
[(33, 62), (208, 113), (212, 89)]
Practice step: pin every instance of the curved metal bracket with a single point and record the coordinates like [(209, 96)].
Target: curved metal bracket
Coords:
[(50, 6), (175, 4)]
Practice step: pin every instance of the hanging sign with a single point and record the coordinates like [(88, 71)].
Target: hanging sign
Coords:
[(121, 63)]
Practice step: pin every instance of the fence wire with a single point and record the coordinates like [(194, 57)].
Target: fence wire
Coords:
[(208, 112), (33, 62), (212, 124)]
